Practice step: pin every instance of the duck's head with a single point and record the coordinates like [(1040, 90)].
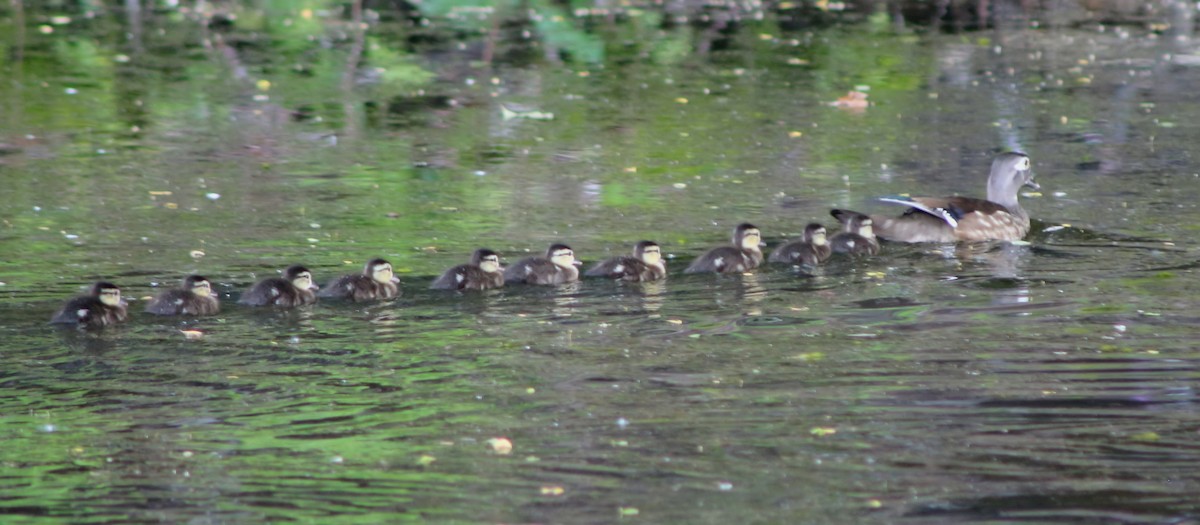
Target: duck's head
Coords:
[(107, 293), (815, 234), (300, 277), (747, 237), (1010, 172), (380, 271), (198, 285), (486, 260), (648, 252), (562, 255)]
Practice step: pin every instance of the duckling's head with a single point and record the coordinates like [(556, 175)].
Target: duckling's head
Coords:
[(865, 227), (1010, 171), (198, 285), (486, 260), (107, 293), (379, 270), (815, 234), (648, 252), (300, 277), (747, 237), (562, 255)]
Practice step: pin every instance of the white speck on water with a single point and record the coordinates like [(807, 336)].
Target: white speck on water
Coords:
[(48, 427), (312, 240), (101, 151), (724, 486), (480, 173), (71, 236), (1119, 327), (337, 459), (314, 226), (70, 91), (212, 196), (622, 422), (294, 340), (37, 208)]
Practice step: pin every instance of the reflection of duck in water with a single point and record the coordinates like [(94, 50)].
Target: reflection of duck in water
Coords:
[(557, 267), (194, 297), (949, 219), (482, 273), (813, 249), (295, 288), (645, 265), (857, 236), (377, 281), (743, 255), (102, 306)]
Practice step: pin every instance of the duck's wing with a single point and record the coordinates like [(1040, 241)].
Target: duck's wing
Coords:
[(534, 270), (724, 259), (795, 252), (615, 268)]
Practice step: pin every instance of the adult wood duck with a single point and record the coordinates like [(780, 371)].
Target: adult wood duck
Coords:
[(557, 267), (812, 249), (102, 306), (745, 253), (377, 281), (949, 219), (295, 288), (194, 297), (645, 265), (482, 273), (857, 236)]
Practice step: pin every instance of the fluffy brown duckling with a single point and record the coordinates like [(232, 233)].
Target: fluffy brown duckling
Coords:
[(949, 219), (102, 306), (645, 265), (857, 236), (482, 273), (744, 254), (559, 266), (812, 250), (377, 281), (194, 297), (295, 288)]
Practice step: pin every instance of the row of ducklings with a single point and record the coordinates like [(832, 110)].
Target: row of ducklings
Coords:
[(103, 305), (938, 219)]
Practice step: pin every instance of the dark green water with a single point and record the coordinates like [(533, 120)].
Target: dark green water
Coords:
[(1052, 381)]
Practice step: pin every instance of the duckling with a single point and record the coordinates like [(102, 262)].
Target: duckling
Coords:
[(194, 297), (377, 281), (645, 265), (295, 288), (743, 255), (812, 249), (949, 219), (482, 273), (559, 266), (102, 306), (857, 236)]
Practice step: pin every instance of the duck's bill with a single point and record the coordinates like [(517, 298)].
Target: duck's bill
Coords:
[(1033, 185)]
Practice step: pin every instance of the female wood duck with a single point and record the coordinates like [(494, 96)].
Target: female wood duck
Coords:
[(295, 288), (557, 267), (102, 306), (950, 219), (813, 249), (857, 236), (645, 265), (743, 255), (377, 281), (194, 297), (482, 273)]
